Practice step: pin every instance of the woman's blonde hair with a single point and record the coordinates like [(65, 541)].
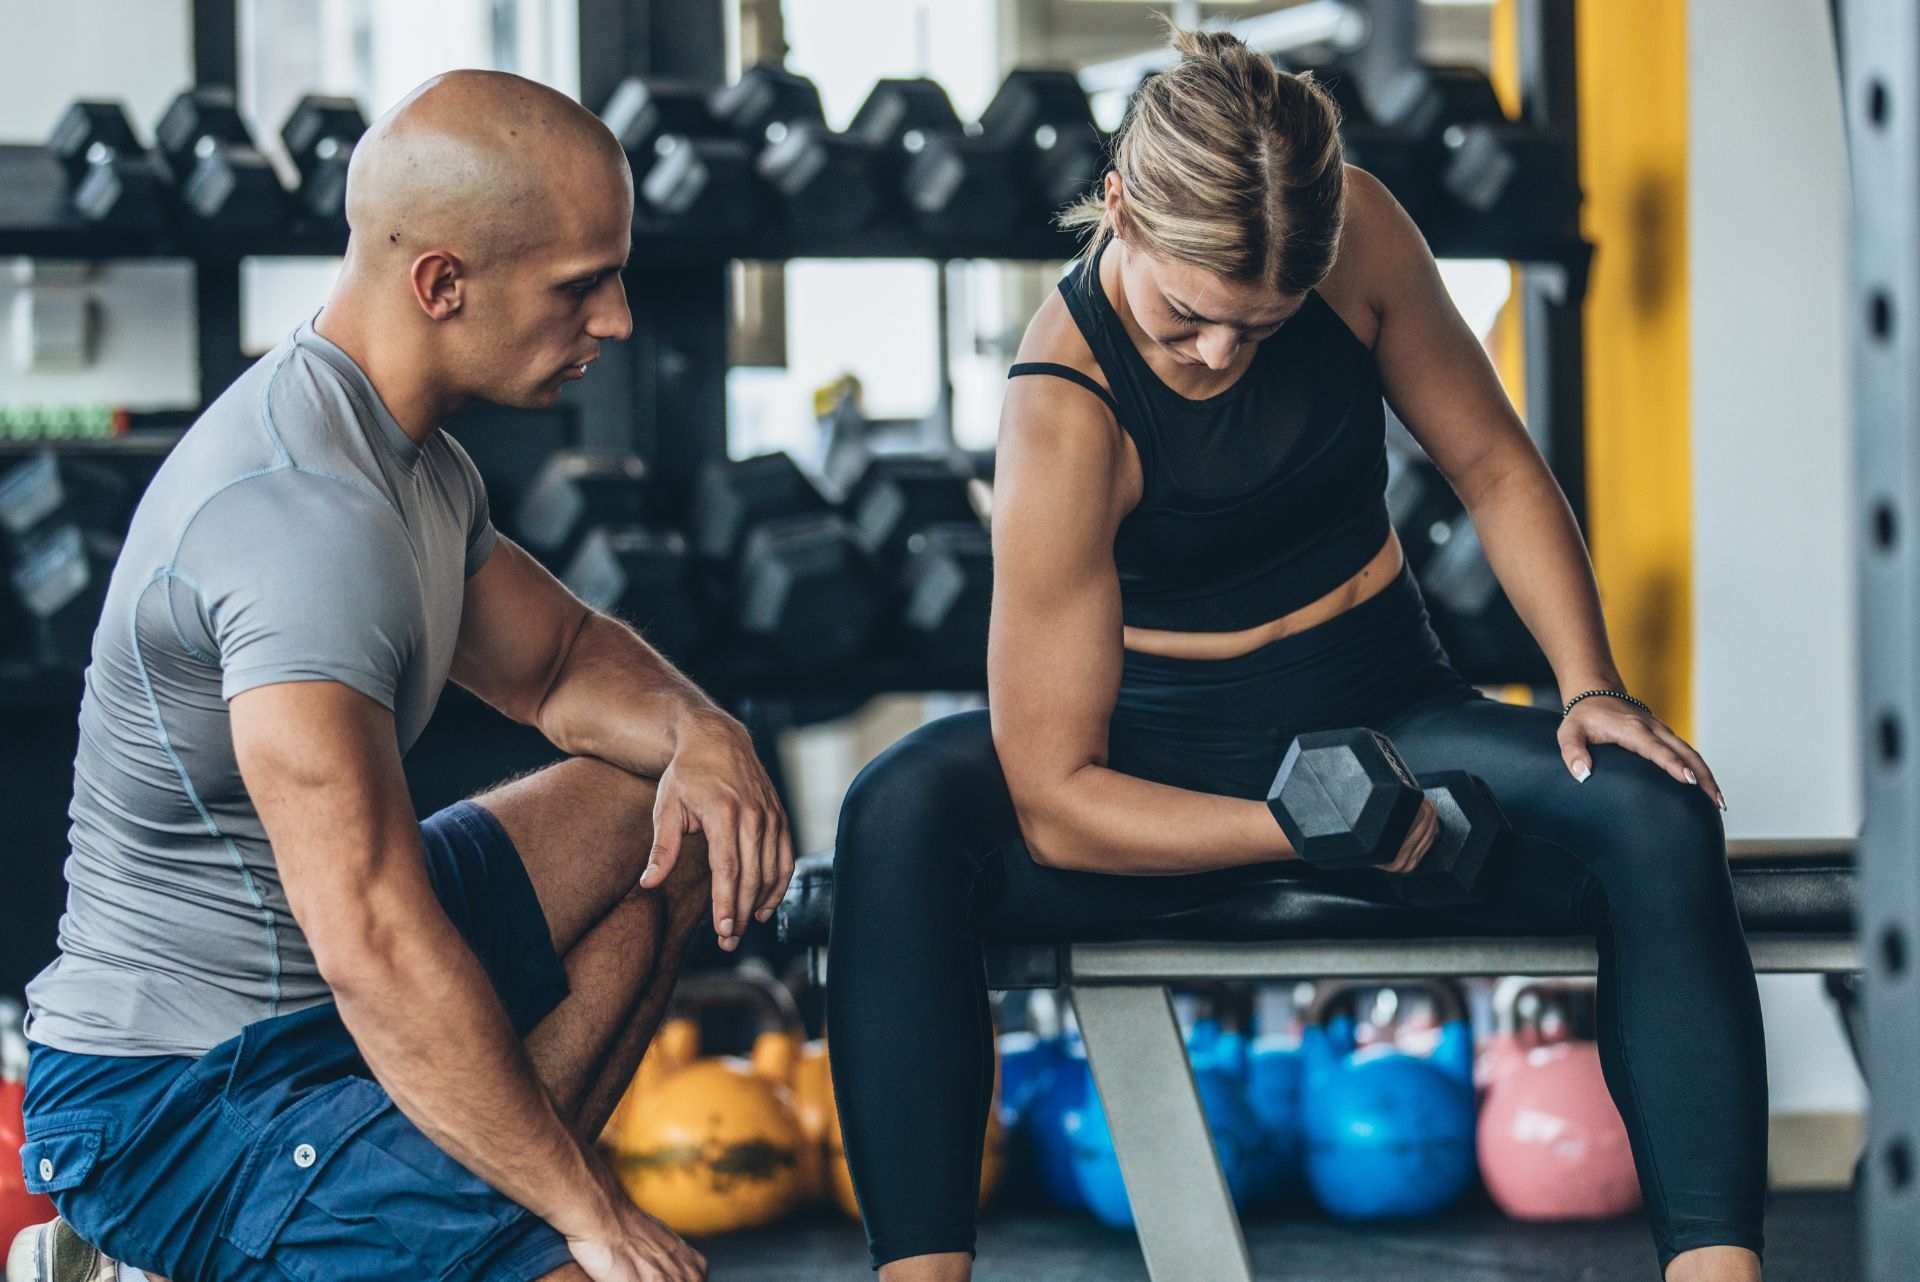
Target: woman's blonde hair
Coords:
[(1229, 163)]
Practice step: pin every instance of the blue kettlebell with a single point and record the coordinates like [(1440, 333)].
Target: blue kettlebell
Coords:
[(1026, 1068), (1273, 1082), (1388, 1135), (1061, 1083), (1218, 1061)]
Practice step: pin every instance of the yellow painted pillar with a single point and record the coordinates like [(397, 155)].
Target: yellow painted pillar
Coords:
[(1633, 169)]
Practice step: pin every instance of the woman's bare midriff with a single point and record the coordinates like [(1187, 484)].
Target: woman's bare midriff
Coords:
[(1371, 578)]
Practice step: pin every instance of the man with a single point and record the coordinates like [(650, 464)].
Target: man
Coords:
[(291, 1032)]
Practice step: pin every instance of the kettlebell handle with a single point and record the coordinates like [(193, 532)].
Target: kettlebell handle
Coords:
[(761, 994), (1452, 1007), (1508, 993)]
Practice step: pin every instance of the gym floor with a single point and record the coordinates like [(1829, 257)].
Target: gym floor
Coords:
[(1811, 1238)]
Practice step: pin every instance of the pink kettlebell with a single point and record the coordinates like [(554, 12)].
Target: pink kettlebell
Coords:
[(1551, 1143)]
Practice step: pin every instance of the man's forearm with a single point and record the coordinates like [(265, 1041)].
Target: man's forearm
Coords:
[(428, 1023), (617, 698)]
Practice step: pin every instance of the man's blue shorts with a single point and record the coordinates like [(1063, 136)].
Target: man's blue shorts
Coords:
[(276, 1155)]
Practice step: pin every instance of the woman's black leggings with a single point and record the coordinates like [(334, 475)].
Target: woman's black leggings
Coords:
[(930, 857)]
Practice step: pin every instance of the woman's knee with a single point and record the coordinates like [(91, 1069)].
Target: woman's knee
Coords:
[(933, 787), (1652, 831)]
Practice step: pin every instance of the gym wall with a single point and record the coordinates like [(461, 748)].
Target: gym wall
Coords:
[(1774, 673)]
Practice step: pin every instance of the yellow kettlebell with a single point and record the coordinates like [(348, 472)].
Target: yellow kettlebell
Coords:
[(710, 1146)]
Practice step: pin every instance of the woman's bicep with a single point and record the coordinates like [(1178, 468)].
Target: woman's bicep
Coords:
[(1054, 648)]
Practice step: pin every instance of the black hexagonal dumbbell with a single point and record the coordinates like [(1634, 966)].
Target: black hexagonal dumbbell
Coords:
[(223, 179), (936, 174), (61, 521), (803, 588), (689, 171), (1041, 116), (574, 491), (320, 137), (1346, 799), (111, 178), (821, 181), (916, 517), (646, 575), (1510, 178)]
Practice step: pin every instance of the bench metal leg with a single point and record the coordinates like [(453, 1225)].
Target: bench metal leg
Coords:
[(1188, 1229)]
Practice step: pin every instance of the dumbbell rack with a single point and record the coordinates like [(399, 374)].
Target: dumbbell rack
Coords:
[(662, 394)]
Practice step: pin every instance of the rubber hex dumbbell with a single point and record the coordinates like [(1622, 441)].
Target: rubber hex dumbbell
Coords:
[(689, 171), (320, 137), (574, 491), (1042, 117), (940, 177), (647, 576), (111, 178), (802, 586), (53, 489), (1346, 799), (822, 181), (60, 575), (223, 179), (915, 515)]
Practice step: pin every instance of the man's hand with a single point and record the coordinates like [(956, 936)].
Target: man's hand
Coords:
[(628, 1245), (714, 785)]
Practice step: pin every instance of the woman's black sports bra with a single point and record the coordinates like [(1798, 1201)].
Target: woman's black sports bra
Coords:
[(1257, 500)]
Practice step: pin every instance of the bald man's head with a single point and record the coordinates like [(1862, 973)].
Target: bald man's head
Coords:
[(490, 218), (479, 161)]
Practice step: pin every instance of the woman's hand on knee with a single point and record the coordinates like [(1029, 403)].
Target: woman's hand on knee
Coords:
[(1604, 720)]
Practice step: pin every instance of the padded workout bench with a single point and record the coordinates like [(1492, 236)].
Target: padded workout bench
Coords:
[(1796, 900)]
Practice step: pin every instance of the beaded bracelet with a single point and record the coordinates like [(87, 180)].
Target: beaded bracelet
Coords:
[(1612, 694)]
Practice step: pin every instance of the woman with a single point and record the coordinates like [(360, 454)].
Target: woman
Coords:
[(1193, 565)]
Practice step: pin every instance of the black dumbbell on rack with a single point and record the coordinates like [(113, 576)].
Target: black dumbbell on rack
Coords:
[(936, 175), (62, 520), (1511, 179), (689, 172), (589, 516), (111, 179), (223, 180), (795, 580), (1041, 117), (915, 516), (320, 137), (821, 181)]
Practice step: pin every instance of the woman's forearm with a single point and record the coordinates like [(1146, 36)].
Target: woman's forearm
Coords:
[(1100, 820), (1536, 551)]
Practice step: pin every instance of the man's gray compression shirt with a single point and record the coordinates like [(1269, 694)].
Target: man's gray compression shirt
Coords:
[(294, 534)]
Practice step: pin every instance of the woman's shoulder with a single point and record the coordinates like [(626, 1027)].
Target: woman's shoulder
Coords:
[(1053, 337), (1377, 243)]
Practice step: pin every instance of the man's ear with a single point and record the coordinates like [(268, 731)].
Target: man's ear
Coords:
[(439, 284)]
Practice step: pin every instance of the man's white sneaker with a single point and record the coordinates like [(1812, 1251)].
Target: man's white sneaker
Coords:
[(53, 1252)]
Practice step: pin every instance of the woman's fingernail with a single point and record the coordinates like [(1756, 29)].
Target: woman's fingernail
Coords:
[(1581, 771), (1691, 777)]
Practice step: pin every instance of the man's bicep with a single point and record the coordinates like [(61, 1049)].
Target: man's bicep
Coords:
[(321, 764)]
